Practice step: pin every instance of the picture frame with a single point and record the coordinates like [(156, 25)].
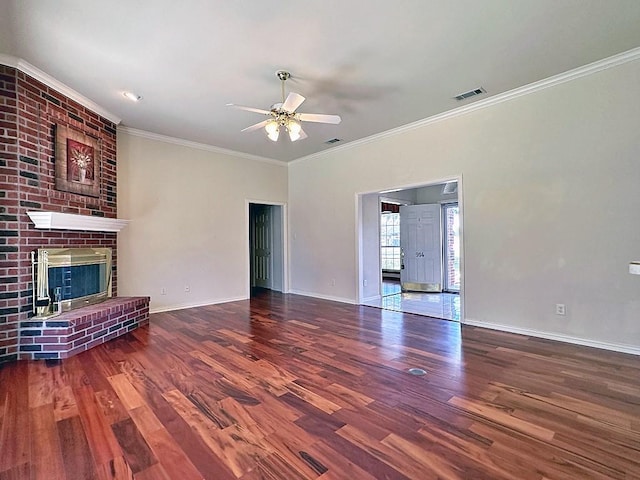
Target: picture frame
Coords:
[(77, 162)]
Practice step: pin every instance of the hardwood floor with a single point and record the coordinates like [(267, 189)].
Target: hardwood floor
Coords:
[(289, 387)]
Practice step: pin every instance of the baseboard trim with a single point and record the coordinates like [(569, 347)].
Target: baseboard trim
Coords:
[(375, 298), (614, 347), (182, 306), (322, 297)]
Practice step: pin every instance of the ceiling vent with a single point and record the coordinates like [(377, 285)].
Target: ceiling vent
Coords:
[(450, 187), (470, 93), (332, 141)]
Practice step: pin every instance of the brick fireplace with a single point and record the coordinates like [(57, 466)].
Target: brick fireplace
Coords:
[(29, 111)]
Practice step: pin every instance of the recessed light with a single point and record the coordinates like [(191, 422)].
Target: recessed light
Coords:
[(132, 96)]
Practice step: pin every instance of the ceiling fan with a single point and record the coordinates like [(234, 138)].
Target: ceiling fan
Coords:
[(284, 115)]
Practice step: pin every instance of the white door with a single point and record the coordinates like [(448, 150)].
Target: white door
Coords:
[(262, 260), (421, 262)]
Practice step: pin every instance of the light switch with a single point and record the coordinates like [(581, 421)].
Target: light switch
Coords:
[(634, 268)]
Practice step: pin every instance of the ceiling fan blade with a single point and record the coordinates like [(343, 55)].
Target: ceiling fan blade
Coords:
[(293, 101), (257, 126), (249, 109), (302, 135), (319, 118)]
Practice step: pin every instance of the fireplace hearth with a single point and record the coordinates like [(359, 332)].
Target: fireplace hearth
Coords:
[(73, 305)]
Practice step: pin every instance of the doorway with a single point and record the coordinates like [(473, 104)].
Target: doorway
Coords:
[(266, 247), (433, 285)]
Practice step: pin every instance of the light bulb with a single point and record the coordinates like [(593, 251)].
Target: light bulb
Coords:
[(273, 132)]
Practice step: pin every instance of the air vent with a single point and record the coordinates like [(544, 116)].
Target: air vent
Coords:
[(450, 187), (470, 93), (332, 141)]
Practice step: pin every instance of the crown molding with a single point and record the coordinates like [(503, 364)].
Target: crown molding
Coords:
[(589, 69), (48, 80), (198, 146)]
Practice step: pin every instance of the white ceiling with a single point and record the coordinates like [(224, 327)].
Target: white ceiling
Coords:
[(378, 64)]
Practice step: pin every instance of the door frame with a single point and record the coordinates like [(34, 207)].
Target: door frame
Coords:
[(285, 242), (359, 240)]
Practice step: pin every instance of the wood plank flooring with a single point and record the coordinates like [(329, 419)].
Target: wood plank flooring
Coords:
[(290, 387)]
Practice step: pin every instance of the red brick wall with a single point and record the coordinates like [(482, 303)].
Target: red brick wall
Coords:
[(9, 287), (28, 112)]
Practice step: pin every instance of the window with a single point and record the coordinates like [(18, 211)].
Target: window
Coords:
[(451, 220), (390, 241)]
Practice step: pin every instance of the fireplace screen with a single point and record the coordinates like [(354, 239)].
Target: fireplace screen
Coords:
[(68, 278)]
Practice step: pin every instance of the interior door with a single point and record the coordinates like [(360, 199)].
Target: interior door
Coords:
[(262, 244), (421, 249)]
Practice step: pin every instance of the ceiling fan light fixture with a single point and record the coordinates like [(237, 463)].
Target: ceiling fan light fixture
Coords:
[(273, 136), (285, 115), (272, 129), (294, 129), (293, 126), (293, 136)]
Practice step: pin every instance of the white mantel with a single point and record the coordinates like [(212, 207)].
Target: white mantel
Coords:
[(69, 221)]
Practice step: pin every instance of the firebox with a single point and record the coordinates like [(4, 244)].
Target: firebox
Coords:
[(68, 278)]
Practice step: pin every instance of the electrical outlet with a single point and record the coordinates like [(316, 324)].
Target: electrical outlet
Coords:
[(187, 288), (333, 282), (366, 283), (163, 291), (561, 309)]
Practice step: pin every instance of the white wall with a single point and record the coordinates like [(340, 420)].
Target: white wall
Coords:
[(7, 41), (188, 217), (370, 241), (551, 188)]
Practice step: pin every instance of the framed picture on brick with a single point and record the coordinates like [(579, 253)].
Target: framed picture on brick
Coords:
[(77, 162)]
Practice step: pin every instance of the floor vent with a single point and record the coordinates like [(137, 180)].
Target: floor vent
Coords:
[(470, 93), (332, 141)]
